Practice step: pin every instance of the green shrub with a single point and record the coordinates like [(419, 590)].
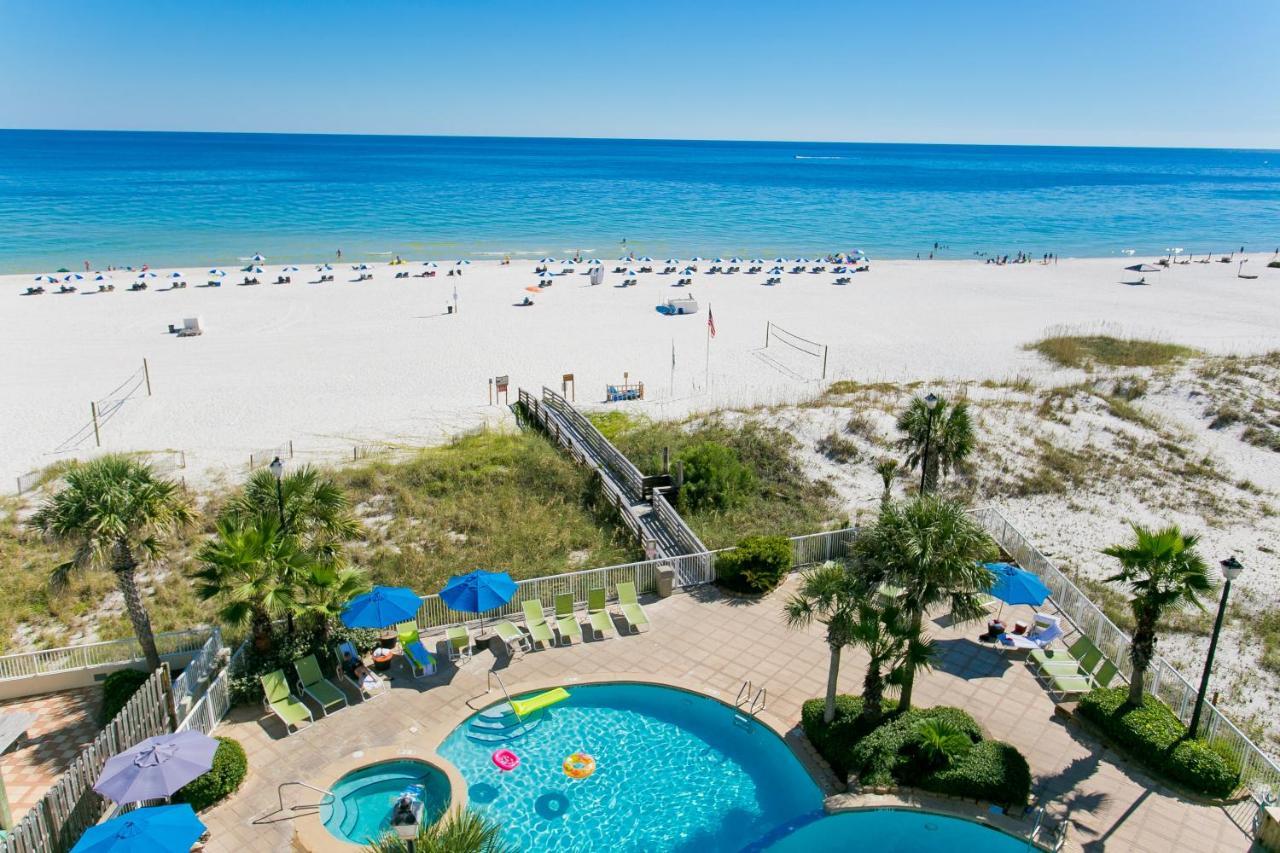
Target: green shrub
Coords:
[(892, 752), (837, 448), (1157, 738), (714, 477), (757, 565), (223, 779), (940, 742), (118, 688), (285, 649), (991, 770), (835, 740)]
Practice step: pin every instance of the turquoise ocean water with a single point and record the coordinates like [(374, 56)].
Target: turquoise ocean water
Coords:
[(115, 198)]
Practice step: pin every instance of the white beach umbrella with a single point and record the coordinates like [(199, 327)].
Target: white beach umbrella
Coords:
[(323, 268), (646, 259), (631, 272), (217, 272), (779, 260), (430, 264), (718, 261), (257, 259), (547, 260), (52, 279), (288, 269), (102, 277), (175, 274), (689, 271), (462, 262), (143, 275), (673, 260), (546, 274), (802, 260), (694, 260), (595, 262), (735, 260), (568, 262), (256, 270), (75, 276)]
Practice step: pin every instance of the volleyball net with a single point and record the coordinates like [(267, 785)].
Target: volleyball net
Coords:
[(777, 337)]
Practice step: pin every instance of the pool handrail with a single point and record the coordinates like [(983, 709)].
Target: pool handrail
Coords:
[(280, 795), (488, 685)]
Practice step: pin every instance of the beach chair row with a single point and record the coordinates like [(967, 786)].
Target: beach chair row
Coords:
[(564, 625)]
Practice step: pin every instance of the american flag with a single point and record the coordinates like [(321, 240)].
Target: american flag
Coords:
[(711, 322)]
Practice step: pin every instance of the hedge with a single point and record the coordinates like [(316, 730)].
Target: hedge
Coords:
[(757, 564), (118, 688), (229, 767), (1154, 736), (888, 754)]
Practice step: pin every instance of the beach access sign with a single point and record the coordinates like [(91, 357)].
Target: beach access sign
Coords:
[(498, 388)]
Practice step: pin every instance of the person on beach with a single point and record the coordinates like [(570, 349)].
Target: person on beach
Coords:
[(339, 254)]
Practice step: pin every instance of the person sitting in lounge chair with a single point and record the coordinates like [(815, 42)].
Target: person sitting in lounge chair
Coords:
[(354, 667)]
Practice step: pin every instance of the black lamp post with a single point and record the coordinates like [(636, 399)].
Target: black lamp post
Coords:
[(930, 403), (1231, 569), (277, 471)]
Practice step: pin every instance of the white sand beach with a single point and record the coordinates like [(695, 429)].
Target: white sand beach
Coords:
[(329, 366)]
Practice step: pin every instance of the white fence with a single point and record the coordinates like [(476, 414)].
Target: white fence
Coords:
[(45, 661), (671, 520), (205, 714), (1164, 681), (610, 456), (187, 685)]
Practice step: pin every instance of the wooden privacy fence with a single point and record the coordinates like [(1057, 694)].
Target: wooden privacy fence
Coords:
[(71, 806)]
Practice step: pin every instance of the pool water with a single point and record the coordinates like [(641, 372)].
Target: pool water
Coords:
[(674, 772), (896, 831), (361, 809)]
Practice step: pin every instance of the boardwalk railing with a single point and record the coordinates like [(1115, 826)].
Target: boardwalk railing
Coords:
[(45, 661), (1163, 680), (610, 456), (71, 806), (687, 539), (205, 714), (187, 685)]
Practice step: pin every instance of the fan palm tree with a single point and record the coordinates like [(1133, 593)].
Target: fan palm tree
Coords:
[(941, 742), (884, 631), (116, 510), (933, 550), (316, 509), (938, 439), (828, 595), (460, 831), (322, 601), (888, 470), (256, 573), (1163, 570)]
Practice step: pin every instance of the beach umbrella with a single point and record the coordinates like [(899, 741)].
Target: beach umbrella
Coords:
[(361, 267), (547, 260), (256, 270), (321, 268), (102, 277), (631, 273), (158, 829), (288, 269), (546, 274), (646, 259), (689, 271), (257, 259), (156, 767), (1013, 585), (175, 274), (431, 264), (143, 275), (568, 262), (1143, 268), (75, 276), (673, 260), (478, 591), (380, 607), (694, 260), (52, 279), (802, 260), (462, 262), (735, 260), (595, 262), (217, 272)]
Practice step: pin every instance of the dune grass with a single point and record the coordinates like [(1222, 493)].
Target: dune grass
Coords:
[(1085, 351)]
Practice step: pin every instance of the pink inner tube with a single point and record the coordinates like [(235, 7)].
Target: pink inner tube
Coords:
[(505, 759)]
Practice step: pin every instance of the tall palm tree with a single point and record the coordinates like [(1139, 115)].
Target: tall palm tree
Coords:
[(1163, 570), (256, 573), (116, 510), (938, 438), (884, 630), (459, 831), (828, 595), (316, 509), (933, 551)]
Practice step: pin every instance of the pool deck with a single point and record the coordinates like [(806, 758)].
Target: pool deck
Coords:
[(711, 643)]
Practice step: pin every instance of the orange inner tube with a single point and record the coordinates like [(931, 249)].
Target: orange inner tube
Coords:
[(579, 765)]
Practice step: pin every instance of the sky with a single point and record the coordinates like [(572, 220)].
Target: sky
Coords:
[(1139, 72)]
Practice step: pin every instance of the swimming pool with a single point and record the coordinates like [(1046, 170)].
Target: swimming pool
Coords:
[(674, 772), (361, 809), (895, 831)]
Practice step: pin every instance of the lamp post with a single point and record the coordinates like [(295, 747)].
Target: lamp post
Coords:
[(930, 403), (277, 471), (1231, 569)]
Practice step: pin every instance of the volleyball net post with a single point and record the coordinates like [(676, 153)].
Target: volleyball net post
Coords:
[(776, 335)]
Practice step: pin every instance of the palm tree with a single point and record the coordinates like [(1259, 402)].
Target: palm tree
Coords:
[(322, 600), (315, 507), (115, 509), (939, 437), (829, 595), (460, 831), (933, 551), (1162, 570), (884, 631), (887, 468), (255, 571), (941, 742)]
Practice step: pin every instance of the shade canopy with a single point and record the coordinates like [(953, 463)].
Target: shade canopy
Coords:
[(1016, 586), (381, 606), (1143, 268), (159, 829), (478, 591), (156, 767)]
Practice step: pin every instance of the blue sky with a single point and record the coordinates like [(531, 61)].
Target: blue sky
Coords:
[(1084, 72)]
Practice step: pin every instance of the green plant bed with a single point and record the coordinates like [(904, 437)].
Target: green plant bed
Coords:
[(1156, 738), (230, 765), (756, 566), (894, 751), (117, 689)]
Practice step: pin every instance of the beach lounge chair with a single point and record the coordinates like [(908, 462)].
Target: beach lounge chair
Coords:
[(421, 662), (460, 644), (1070, 656), (371, 685), (279, 700), (567, 625), (315, 685), (1071, 685), (509, 634), (629, 606), (597, 615), (536, 622)]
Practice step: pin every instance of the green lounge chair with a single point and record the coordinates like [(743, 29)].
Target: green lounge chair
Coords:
[(459, 642), (315, 685), (1041, 658), (567, 625), (279, 700), (630, 607), (601, 621), (536, 622), (1085, 664), (421, 662), (509, 634), (1069, 685), (372, 685)]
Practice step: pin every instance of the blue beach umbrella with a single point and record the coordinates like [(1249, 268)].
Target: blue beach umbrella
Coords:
[(462, 262), (217, 272), (779, 260), (478, 591), (175, 274), (646, 259), (288, 269), (547, 260), (380, 607), (321, 268), (143, 275), (430, 264), (1016, 586), (595, 262), (159, 829), (102, 277), (546, 274), (694, 259), (673, 260), (257, 258), (735, 260), (75, 276)]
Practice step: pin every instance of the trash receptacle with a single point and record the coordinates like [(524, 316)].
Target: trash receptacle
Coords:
[(666, 580)]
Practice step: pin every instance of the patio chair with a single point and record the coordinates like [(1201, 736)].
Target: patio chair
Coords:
[(459, 643), (1088, 661), (629, 606), (315, 685), (279, 700), (567, 625), (1072, 685), (421, 662), (371, 685), (597, 615), (1071, 655), (509, 634), (536, 622)]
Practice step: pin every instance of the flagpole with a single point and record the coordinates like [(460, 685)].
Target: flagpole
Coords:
[(706, 379), (673, 368)]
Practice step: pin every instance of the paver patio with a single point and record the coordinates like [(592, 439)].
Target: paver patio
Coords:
[(66, 723), (714, 643)]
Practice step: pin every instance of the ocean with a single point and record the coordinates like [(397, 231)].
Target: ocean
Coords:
[(123, 198)]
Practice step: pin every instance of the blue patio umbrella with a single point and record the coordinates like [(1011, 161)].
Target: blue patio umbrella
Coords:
[(381, 606), (159, 829), (1016, 586), (156, 767), (478, 591)]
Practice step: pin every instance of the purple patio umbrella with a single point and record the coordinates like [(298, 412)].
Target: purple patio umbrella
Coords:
[(156, 767)]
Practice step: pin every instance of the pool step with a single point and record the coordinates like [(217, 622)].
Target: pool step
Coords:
[(500, 724)]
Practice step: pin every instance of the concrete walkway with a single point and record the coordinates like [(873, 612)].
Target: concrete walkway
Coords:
[(713, 643)]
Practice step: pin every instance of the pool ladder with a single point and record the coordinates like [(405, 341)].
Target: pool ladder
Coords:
[(750, 703), (268, 818)]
